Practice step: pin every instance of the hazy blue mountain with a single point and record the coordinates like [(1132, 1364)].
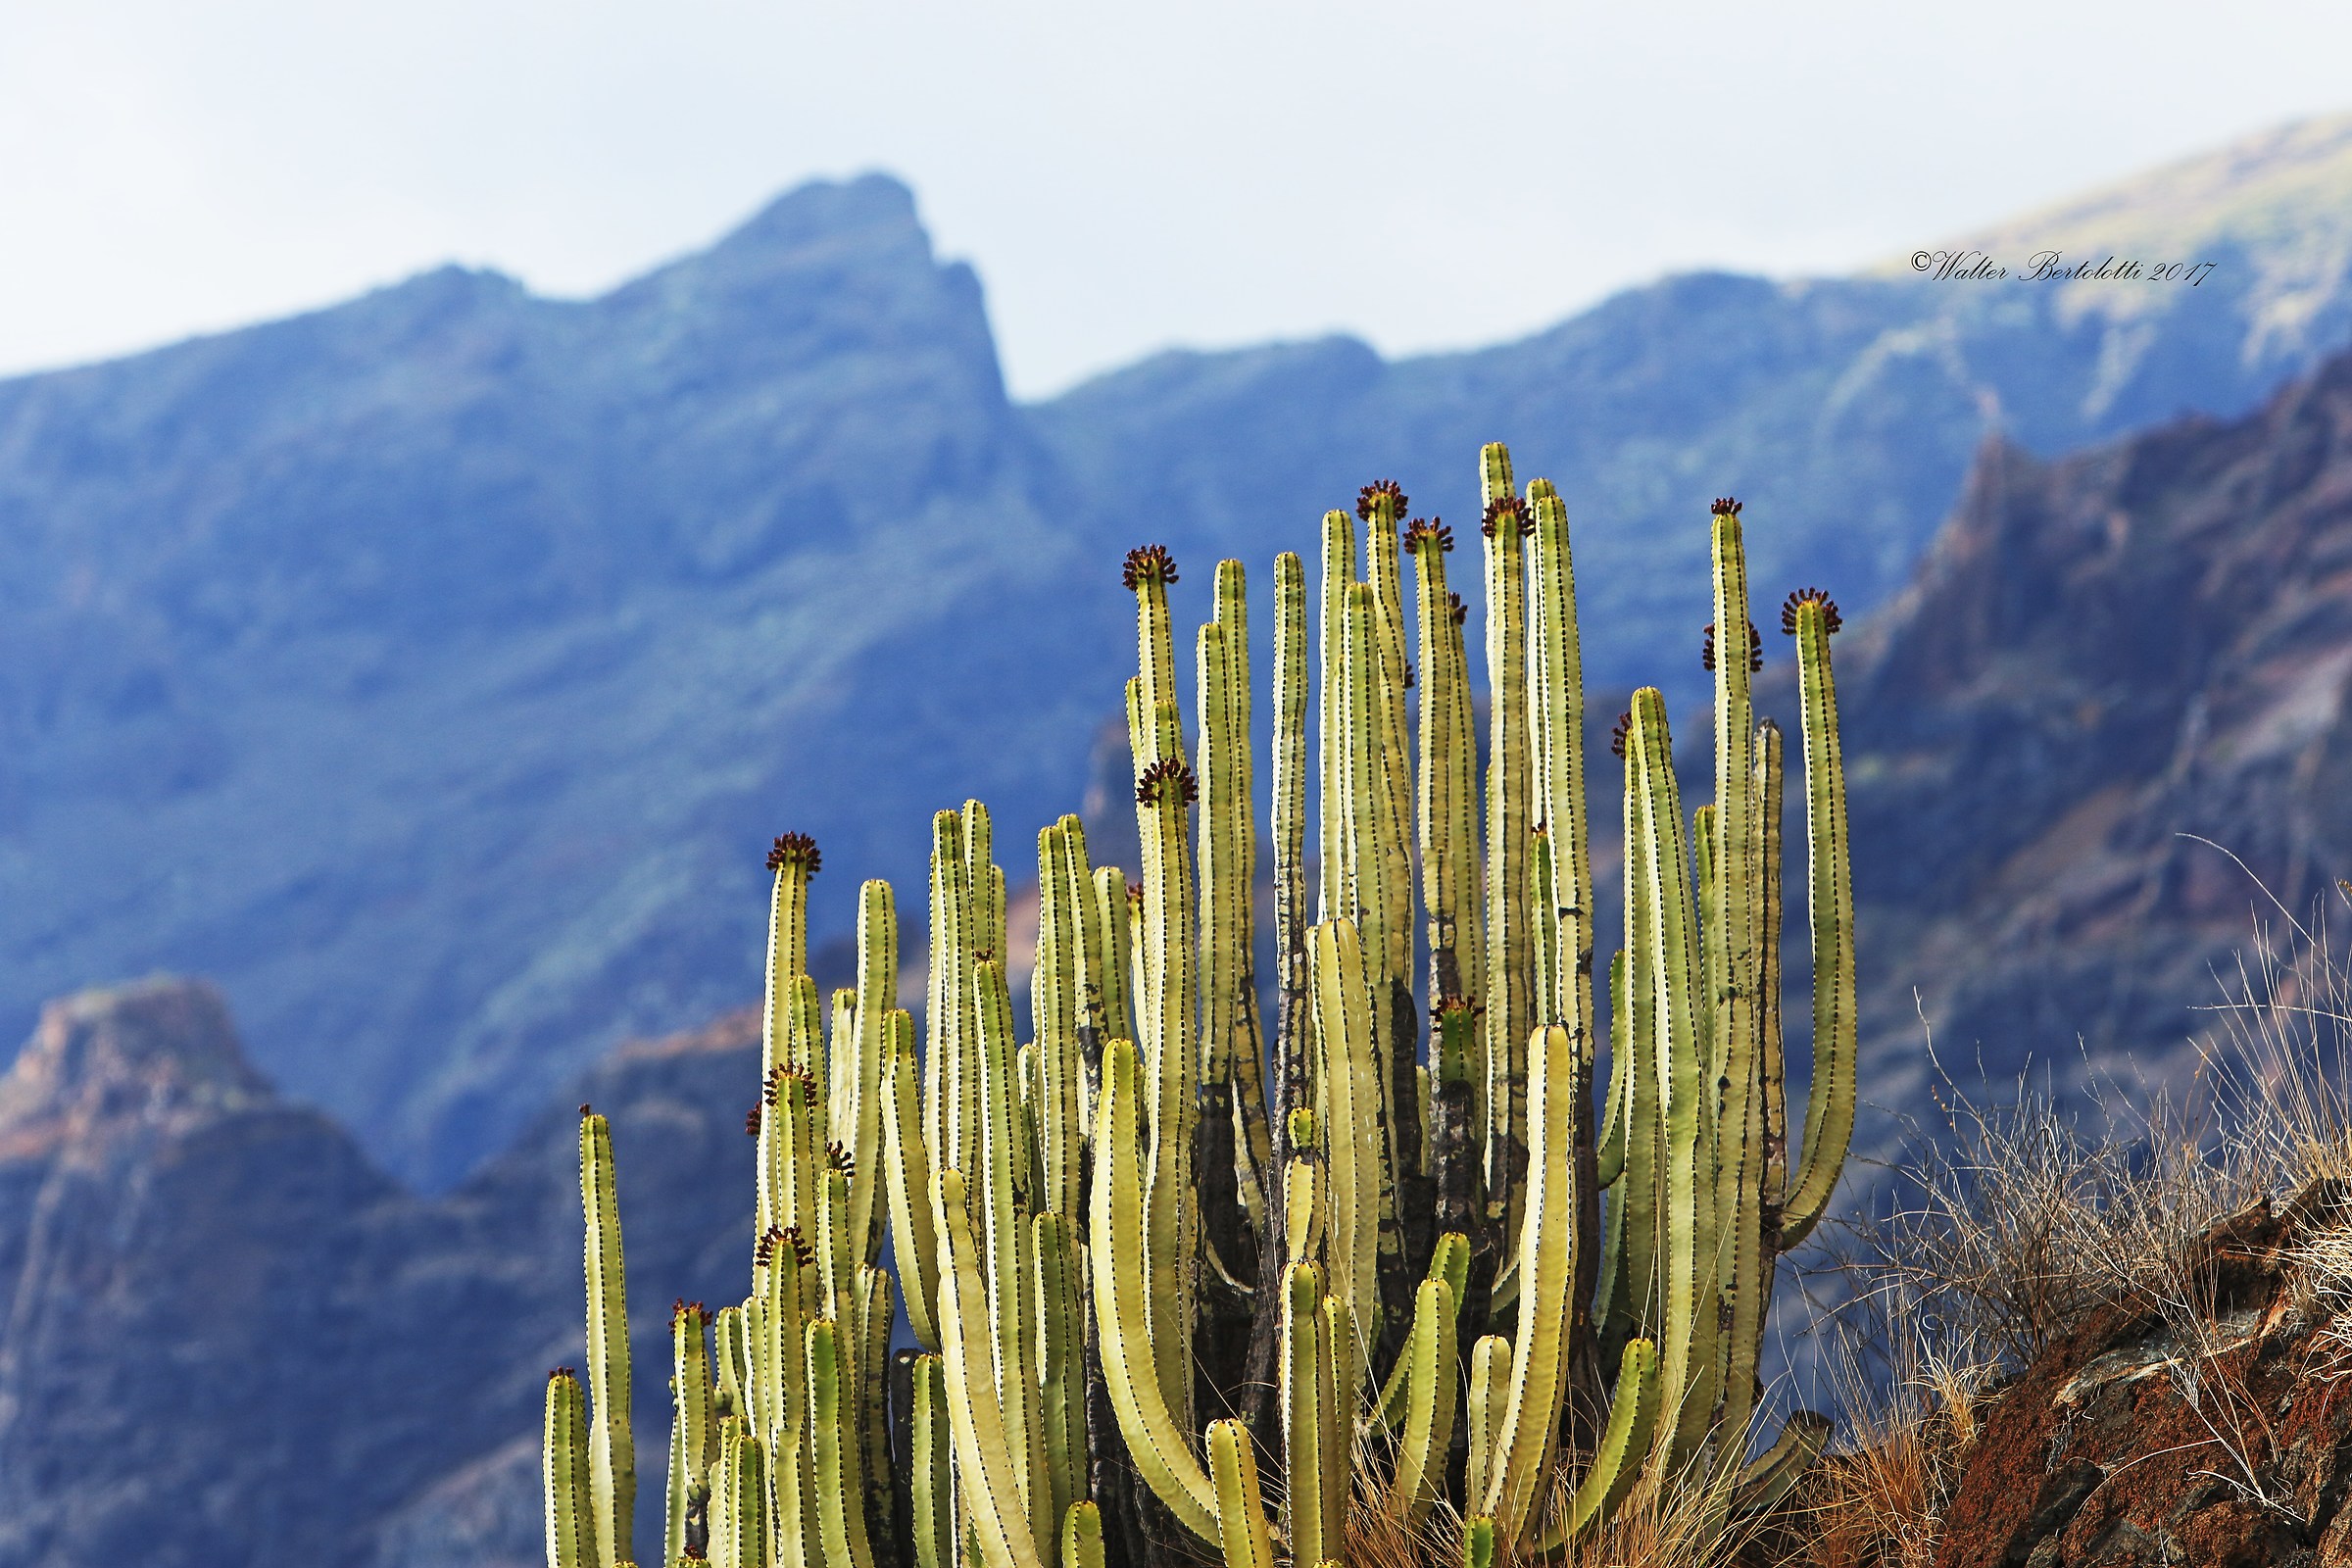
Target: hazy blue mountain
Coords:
[(1844, 412), (434, 670), (431, 671)]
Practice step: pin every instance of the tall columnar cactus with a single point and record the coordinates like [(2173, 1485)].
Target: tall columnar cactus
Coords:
[(1144, 1265)]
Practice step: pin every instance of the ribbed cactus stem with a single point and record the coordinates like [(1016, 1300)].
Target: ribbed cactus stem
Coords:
[(1330, 634), (947, 1014), (1490, 1404), (1057, 1357), (1082, 1537), (1617, 1460), (1686, 1257), (1547, 1268), (694, 1431), (1430, 1399), (839, 1503), (1348, 1080), (1508, 990), (1116, 1254), (1312, 1535), (930, 1476), (1253, 1139), (612, 1450), (571, 1539), (1830, 896), (990, 1474), (858, 1080), (1240, 1507)]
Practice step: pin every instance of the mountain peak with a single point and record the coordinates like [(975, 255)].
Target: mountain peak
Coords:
[(151, 1048)]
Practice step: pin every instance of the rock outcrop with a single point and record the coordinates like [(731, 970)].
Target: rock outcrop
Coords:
[(227, 1339), (2212, 1431), (2107, 667)]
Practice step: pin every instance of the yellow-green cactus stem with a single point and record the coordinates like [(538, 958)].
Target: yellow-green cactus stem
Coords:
[(1055, 1006), (1686, 1257), (747, 1475), (1547, 1271), (1082, 1537), (1769, 793), (867, 1415), (1004, 1229), (1240, 1508), (612, 1450), (1617, 1461), (1293, 1046), (991, 1474), (1304, 1429), (1490, 1402), (694, 1426), (1478, 1542), (1347, 1083), (1116, 1234), (840, 1502), (1338, 574), (1252, 1132), (857, 1083), (906, 1170), (1508, 990), (947, 1014), (1108, 929), (1340, 1371), (571, 1537), (1165, 791), (1811, 618), (694, 1429), (1445, 799), (1058, 1355), (931, 1481), (793, 859), (1224, 970), (1380, 893), (1430, 1396)]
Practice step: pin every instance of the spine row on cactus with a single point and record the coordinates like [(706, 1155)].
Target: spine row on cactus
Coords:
[(1119, 1225)]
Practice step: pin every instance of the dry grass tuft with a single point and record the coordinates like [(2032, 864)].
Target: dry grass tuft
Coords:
[(2022, 1218)]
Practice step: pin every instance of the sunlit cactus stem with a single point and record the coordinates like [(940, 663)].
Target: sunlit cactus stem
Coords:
[(1081, 1222), (612, 1451)]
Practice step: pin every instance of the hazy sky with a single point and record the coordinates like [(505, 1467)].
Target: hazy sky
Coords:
[(1124, 178)]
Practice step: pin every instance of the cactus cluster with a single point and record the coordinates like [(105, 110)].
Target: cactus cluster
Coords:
[(1146, 1261)]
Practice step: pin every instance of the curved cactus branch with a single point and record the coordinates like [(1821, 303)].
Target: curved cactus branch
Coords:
[(1116, 1253)]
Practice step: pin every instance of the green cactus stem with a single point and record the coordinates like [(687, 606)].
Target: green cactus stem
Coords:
[(1830, 1111), (571, 1539), (612, 1451)]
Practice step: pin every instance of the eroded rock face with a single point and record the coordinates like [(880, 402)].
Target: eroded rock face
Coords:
[(228, 1341), (2218, 1437)]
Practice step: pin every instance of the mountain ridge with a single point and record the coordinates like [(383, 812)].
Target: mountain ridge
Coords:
[(432, 670)]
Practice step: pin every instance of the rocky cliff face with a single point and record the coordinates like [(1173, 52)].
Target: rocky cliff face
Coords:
[(2104, 661), (225, 1337), (433, 671)]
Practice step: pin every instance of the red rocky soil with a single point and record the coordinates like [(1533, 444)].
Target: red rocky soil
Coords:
[(2148, 1436)]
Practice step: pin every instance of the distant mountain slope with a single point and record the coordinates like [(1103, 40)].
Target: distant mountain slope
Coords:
[(1843, 411), (432, 671)]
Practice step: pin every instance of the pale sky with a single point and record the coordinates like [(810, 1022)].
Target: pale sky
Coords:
[(1124, 179)]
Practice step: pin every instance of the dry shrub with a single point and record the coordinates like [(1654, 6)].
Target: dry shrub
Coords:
[(1995, 1237)]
